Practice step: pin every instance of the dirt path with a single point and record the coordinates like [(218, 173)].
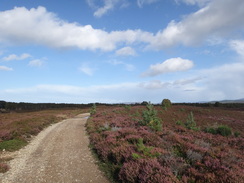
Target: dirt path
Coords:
[(59, 154)]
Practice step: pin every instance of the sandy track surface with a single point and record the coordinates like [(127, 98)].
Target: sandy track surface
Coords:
[(59, 154)]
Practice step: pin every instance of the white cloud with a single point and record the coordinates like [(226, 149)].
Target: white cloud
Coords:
[(182, 83), (214, 21), (108, 5), (169, 65), (37, 26), (194, 2), (86, 69), (129, 67), (140, 3), (4, 68), (16, 57), (187, 81), (36, 63), (126, 51), (155, 84), (238, 46)]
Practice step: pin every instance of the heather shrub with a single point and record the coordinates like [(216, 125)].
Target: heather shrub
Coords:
[(193, 156), (179, 151), (135, 152), (3, 167), (121, 153), (105, 127), (144, 171)]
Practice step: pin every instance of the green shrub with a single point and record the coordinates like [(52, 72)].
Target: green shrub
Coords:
[(211, 130), (223, 130), (150, 118), (136, 156), (146, 151), (237, 134), (93, 109), (127, 107), (190, 122), (166, 103), (179, 123)]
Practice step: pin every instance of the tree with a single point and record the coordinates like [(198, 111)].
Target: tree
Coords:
[(150, 118), (166, 103)]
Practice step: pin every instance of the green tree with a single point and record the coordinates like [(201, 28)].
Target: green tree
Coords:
[(93, 109), (150, 118), (166, 103)]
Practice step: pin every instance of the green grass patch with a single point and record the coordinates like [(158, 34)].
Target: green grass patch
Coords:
[(12, 145)]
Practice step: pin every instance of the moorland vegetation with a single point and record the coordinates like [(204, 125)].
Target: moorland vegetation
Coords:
[(169, 143)]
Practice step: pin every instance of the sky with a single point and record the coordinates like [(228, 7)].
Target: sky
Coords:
[(115, 51)]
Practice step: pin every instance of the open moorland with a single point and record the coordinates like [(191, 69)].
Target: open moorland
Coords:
[(179, 143), (146, 143)]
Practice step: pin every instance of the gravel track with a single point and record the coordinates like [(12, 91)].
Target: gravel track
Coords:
[(59, 154)]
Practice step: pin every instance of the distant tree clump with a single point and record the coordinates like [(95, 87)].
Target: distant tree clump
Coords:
[(166, 103), (217, 104), (144, 103)]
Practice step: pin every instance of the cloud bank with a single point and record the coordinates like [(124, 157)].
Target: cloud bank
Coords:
[(38, 26), (217, 83), (215, 20)]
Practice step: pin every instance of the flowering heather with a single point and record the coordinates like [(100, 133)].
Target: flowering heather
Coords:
[(134, 152)]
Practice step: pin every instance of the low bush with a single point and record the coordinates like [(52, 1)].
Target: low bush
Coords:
[(223, 130), (190, 123)]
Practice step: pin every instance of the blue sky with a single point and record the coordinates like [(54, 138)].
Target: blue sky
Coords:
[(83, 51)]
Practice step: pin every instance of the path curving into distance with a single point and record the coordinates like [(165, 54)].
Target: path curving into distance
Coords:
[(58, 154)]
